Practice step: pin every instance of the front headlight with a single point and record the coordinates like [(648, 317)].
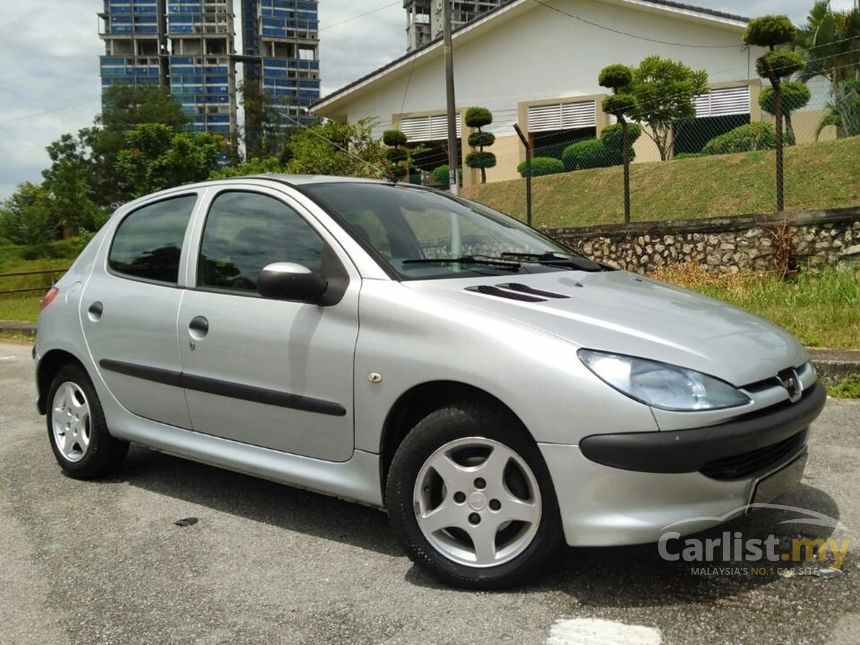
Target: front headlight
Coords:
[(660, 385)]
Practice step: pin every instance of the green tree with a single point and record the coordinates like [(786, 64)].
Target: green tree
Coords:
[(664, 92), (795, 95), (95, 149), (264, 122), (618, 78), (337, 148), (27, 218), (775, 65), (478, 118), (256, 166), (157, 157)]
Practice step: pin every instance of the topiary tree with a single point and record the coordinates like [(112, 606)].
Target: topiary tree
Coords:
[(618, 78), (397, 154), (478, 117), (775, 65), (795, 95)]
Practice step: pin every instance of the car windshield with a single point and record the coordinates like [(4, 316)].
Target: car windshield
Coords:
[(423, 234)]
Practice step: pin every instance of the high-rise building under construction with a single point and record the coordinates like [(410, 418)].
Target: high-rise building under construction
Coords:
[(424, 17), (189, 47)]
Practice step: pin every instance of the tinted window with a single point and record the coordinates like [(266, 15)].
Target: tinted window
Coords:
[(247, 231), (148, 243), (408, 226)]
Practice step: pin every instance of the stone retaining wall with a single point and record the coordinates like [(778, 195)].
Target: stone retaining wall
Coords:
[(723, 244)]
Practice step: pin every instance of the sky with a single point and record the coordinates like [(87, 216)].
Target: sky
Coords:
[(49, 69)]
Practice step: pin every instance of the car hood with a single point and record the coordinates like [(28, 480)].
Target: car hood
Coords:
[(621, 312)]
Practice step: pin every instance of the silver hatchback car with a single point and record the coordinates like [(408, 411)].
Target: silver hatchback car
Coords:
[(498, 394)]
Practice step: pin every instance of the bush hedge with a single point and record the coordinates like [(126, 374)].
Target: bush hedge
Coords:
[(611, 135), (591, 153), (752, 136), (542, 166), (440, 174)]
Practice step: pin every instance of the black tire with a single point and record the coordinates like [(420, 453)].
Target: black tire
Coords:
[(437, 429), (105, 453)]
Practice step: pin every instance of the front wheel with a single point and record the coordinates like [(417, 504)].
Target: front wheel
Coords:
[(471, 499)]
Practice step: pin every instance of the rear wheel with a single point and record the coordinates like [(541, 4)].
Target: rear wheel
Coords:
[(471, 499), (77, 430)]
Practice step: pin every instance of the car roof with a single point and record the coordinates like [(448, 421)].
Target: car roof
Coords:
[(304, 180)]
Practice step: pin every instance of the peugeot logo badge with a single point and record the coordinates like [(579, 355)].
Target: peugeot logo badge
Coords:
[(791, 382)]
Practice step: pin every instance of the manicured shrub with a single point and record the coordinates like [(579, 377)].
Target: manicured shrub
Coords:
[(478, 139), (752, 136), (769, 31), (395, 155), (394, 138), (440, 174), (480, 159), (478, 117), (783, 63), (612, 136), (615, 76), (590, 153), (542, 166)]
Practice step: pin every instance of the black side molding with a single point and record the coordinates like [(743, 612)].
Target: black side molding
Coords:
[(687, 451), (225, 388)]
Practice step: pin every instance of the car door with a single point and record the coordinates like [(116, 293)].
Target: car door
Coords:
[(130, 305), (266, 372)]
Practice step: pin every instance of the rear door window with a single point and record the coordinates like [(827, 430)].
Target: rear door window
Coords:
[(147, 244)]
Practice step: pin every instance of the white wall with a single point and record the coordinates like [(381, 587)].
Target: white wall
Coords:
[(542, 54)]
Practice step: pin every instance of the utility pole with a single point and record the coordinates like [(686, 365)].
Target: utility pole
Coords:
[(453, 156)]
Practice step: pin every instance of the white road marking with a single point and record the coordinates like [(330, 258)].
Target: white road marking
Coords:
[(7, 358), (593, 631)]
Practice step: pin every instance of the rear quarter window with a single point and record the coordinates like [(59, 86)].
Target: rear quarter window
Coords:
[(147, 244)]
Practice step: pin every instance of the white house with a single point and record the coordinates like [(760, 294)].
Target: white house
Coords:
[(536, 63)]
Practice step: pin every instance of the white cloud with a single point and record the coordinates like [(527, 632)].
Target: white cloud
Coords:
[(49, 74)]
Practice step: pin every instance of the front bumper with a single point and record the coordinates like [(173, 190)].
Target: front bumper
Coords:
[(627, 488)]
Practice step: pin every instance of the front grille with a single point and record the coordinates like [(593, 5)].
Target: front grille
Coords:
[(748, 463)]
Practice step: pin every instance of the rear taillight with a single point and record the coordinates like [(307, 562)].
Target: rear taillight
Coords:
[(53, 292)]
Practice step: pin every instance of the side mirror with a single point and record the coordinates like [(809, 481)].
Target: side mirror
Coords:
[(289, 281)]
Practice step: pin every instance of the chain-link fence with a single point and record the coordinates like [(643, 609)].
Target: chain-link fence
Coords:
[(722, 161)]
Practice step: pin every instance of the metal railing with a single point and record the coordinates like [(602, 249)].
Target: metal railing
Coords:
[(53, 274)]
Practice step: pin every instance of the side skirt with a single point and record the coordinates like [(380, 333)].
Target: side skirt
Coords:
[(355, 480)]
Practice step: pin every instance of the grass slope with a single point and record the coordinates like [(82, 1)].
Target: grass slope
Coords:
[(817, 176)]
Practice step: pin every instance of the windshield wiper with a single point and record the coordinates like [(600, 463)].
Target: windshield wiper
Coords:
[(468, 259), (552, 258)]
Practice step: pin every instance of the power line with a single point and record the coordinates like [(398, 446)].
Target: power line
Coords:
[(356, 17), (636, 36)]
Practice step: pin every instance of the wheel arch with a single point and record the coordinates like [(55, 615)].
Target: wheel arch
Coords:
[(49, 365), (419, 401)]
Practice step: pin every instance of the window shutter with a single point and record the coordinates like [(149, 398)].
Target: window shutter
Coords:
[(724, 101), (427, 128), (562, 116)]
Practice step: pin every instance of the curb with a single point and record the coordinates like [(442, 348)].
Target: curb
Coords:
[(829, 363)]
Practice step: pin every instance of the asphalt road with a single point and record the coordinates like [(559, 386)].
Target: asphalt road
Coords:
[(87, 562)]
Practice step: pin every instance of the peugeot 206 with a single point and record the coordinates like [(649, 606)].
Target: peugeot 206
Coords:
[(496, 393)]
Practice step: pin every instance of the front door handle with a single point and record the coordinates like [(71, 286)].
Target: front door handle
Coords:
[(198, 327)]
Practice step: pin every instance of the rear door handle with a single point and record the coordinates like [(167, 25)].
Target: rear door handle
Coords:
[(199, 327), (96, 310)]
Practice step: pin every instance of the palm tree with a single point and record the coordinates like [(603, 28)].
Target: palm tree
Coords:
[(833, 40)]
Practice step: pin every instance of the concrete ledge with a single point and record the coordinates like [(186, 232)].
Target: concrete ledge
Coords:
[(712, 224), (25, 328)]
